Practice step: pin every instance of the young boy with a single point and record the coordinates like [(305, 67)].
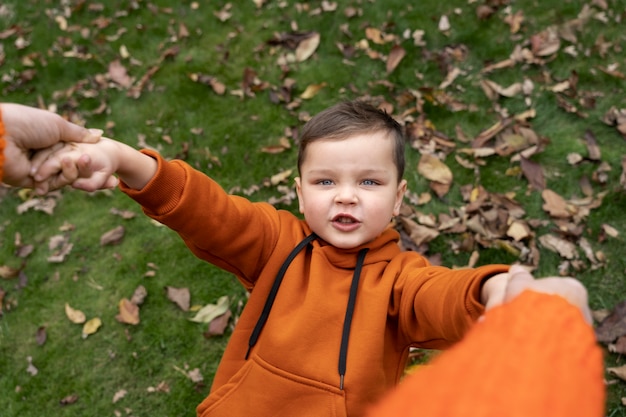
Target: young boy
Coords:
[(334, 303)]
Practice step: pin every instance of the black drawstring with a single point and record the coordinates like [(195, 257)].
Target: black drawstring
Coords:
[(343, 351), (272, 295)]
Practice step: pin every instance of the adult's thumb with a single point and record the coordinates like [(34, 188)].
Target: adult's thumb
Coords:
[(520, 279)]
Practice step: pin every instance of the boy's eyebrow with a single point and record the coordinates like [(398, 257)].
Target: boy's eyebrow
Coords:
[(327, 171)]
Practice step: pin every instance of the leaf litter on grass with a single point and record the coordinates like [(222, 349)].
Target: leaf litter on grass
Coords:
[(484, 218)]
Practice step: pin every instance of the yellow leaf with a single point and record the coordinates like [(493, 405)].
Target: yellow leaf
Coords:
[(312, 90), (91, 326), (75, 316)]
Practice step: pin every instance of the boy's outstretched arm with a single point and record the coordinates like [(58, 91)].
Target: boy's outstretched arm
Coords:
[(91, 167)]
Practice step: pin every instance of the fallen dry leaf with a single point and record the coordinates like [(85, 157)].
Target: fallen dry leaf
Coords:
[(307, 46), (119, 395), (434, 169), (75, 316), (113, 236), (555, 205), (180, 296), (312, 90), (128, 312), (41, 336), (218, 325), (91, 326), (395, 56), (69, 400), (563, 247), (6, 272), (619, 372), (613, 326), (210, 311)]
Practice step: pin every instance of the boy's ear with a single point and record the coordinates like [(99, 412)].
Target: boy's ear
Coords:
[(298, 181), (399, 197)]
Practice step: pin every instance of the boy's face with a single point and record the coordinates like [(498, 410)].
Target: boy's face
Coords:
[(349, 190)]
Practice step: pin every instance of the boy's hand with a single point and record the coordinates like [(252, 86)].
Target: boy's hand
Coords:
[(28, 129), (85, 167)]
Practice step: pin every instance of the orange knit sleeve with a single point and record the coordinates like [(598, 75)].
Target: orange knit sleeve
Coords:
[(2, 145), (534, 356)]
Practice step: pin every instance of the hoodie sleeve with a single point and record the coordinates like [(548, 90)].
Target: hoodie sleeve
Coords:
[(225, 230), (436, 305), (533, 356)]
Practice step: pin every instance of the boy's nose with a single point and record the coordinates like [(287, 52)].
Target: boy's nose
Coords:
[(346, 195)]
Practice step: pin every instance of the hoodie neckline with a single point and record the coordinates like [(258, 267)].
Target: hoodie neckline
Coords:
[(382, 249)]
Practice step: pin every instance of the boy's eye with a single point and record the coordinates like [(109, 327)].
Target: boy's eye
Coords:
[(325, 182), (369, 182)]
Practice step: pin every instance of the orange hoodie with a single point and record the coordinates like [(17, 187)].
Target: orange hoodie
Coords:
[(534, 356), (321, 351)]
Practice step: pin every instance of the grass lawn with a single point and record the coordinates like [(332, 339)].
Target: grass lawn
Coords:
[(226, 87)]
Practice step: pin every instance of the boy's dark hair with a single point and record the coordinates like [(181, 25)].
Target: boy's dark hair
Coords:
[(350, 118)]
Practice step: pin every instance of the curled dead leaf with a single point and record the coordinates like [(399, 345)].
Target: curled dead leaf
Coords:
[(307, 46), (564, 248), (113, 236), (75, 316), (128, 312)]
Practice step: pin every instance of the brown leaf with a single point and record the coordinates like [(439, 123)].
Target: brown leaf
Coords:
[(533, 173), (139, 295), (218, 325), (545, 43), (129, 312), (6, 272), (70, 399), (564, 248), (113, 236), (619, 372), (118, 74), (613, 326), (41, 335), (180, 296), (124, 214), (592, 146), (555, 205), (395, 56), (434, 169), (618, 347), (418, 234)]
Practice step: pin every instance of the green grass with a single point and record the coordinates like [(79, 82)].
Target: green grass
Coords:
[(233, 130)]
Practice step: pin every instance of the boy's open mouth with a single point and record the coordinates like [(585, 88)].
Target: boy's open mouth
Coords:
[(342, 218)]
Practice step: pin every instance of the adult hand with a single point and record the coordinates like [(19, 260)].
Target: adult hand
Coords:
[(28, 129), (569, 288)]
